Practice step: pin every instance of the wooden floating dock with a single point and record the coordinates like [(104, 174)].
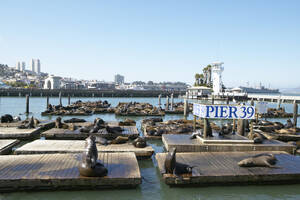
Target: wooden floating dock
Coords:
[(60, 171), (15, 133), (77, 146), (7, 145), (216, 168), (66, 134), (183, 143)]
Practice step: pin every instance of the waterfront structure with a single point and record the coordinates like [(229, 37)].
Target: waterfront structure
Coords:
[(217, 70), (52, 82), (198, 91), (119, 79)]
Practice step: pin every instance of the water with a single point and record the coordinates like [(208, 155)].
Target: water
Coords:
[(154, 187)]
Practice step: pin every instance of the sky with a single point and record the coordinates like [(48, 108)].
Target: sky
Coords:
[(158, 40)]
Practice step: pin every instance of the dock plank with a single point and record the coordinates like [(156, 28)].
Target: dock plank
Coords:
[(183, 143), (60, 171), (77, 146), (66, 134), (15, 133), (7, 145), (219, 168)]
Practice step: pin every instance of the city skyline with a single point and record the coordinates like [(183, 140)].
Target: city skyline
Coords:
[(158, 41)]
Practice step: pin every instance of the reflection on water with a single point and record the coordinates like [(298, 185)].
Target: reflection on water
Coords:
[(152, 186)]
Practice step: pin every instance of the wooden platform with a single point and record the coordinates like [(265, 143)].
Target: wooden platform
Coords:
[(77, 146), (66, 134), (15, 133), (216, 168), (183, 143), (60, 171), (7, 145)]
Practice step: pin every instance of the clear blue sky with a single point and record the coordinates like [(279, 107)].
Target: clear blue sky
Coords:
[(156, 40)]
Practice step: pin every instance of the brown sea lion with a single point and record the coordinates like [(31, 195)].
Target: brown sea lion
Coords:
[(127, 122), (140, 142), (170, 161), (259, 160), (74, 120), (120, 140), (115, 129), (89, 165)]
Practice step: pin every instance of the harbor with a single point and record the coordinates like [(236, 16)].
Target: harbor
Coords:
[(156, 148)]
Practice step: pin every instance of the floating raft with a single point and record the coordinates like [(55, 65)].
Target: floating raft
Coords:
[(78, 146), (16, 133), (88, 123), (183, 143), (7, 145), (216, 168), (60, 171), (66, 134)]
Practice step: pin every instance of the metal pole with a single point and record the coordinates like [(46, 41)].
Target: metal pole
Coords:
[(69, 99), (159, 100)]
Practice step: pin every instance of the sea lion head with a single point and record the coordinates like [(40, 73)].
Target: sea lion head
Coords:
[(246, 162)]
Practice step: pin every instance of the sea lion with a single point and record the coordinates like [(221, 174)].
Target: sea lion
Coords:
[(288, 124), (115, 129), (259, 160), (140, 142), (120, 140), (89, 165), (195, 134), (74, 120), (84, 129), (207, 131), (72, 127), (99, 122), (59, 124), (127, 122), (257, 138), (226, 129), (174, 167), (7, 118), (101, 140), (170, 161)]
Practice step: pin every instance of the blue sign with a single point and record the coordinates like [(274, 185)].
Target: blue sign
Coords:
[(224, 111)]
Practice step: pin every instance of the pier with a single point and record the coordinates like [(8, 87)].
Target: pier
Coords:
[(274, 98), (60, 171), (218, 168), (7, 145), (78, 146), (183, 143)]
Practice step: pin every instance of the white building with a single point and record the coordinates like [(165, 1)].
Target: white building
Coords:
[(32, 65), (18, 66), (35, 66), (52, 82), (23, 66), (217, 69)]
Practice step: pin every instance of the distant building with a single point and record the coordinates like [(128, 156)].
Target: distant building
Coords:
[(38, 66), (23, 66), (119, 79), (32, 65), (52, 82), (18, 66), (35, 66)]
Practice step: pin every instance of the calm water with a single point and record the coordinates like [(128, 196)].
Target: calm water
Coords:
[(154, 188)]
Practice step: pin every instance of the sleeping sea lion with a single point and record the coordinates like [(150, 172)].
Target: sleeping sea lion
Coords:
[(120, 140), (259, 160), (140, 142)]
